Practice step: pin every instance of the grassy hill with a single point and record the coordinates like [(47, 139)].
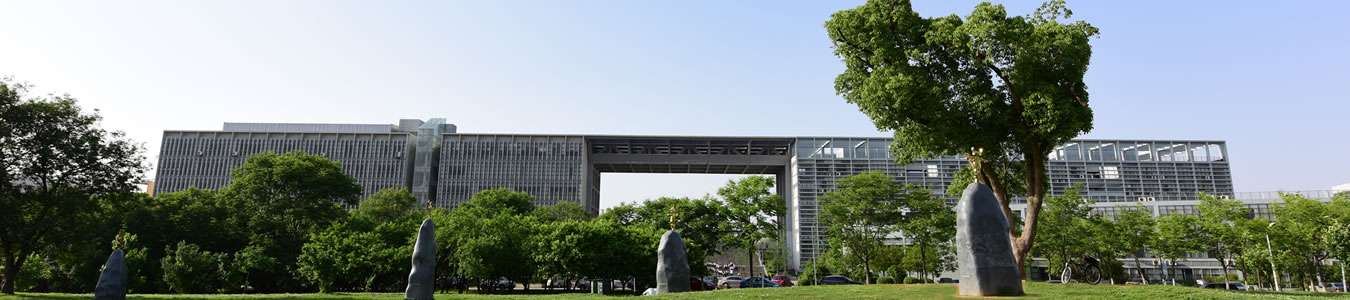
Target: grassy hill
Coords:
[(1035, 290)]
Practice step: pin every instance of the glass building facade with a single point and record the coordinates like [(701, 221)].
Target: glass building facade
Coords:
[(441, 165)]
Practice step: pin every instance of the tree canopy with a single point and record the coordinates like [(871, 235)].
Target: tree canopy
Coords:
[(56, 162), (1009, 85), (863, 211)]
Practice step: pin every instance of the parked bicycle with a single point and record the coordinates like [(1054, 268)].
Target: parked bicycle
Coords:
[(1086, 267)]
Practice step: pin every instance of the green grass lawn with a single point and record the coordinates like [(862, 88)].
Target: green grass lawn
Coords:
[(885, 291)]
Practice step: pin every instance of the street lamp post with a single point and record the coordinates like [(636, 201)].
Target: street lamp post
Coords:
[(1274, 274)]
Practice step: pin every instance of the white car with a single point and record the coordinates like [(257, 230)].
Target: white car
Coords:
[(730, 282)]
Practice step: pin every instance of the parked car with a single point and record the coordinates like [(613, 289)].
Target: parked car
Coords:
[(1335, 287), (836, 279), (558, 282), (781, 280), (696, 284), (501, 283), (757, 282), (945, 280), (1236, 286), (730, 281)]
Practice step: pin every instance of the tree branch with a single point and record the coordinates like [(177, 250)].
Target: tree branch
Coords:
[(865, 61)]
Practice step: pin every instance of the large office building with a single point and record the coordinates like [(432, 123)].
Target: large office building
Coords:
[(447, 167)]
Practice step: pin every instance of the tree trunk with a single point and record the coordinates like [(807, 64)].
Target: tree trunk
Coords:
[(1317, 269), (12, 267), (1035, 179), (923, 265), (11, 272), (1224, 263), (1174, 273), (867, 272), (1138, 265), (751, 260)]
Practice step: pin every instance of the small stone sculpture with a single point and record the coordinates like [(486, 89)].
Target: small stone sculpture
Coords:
[(984, 254), (421, 281), (112, 282), (672, 266)]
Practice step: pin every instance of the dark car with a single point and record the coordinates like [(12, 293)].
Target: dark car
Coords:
[(1236, 286), (696, 284), (756, 282), (836, 279), (781, 280)]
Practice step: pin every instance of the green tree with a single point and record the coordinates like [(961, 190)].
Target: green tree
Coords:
[(344, 257), (56, 160), (290, 196), (1065, 229), (928, 221), (1337, 240), (492, 236), (502, 199), (940, 258), (1176, 238), (1010, 85), (752, 212), (1135, 228), (862, 213), (188, 269), (700, 222), (1300, 225), (1217, 232), (563, 211), (386, 205)]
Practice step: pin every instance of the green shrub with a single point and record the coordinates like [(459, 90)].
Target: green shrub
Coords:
[(911, 280), (188, 269), (885, 280)]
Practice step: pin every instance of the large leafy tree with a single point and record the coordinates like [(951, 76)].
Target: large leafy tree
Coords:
[(492, 236), (56, 160), (753, 212), (288, 196), (1218, 218), (862, 213), (1010, 85)]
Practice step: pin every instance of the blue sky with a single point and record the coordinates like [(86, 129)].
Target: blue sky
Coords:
[(1264, 76)]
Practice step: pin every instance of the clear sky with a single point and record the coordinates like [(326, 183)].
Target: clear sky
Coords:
[(1264, 76)]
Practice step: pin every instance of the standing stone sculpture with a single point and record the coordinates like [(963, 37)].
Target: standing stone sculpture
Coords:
[(672, 266), (112, 282), (421, 282), (984, 254)]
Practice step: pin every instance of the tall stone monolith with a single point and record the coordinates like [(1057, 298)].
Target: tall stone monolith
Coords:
[(421, 282), (984, 254), (112, 282), (672, 266)]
